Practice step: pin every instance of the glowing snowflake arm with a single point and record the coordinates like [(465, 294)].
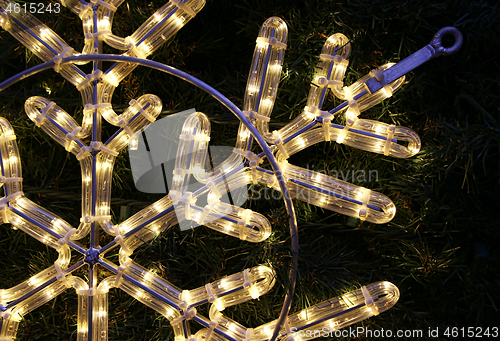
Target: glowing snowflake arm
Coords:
[(190, 159), (264, 76), (146, 228), (11, 176), (140, 114), (337, 312), (329, 75), (21, 212), (11, 298), (60, 126), (147, 287), (225, 218), (96, 23), (229, 291), (358, 100), (177, 305), (262, 84), (36, 291), (39, 39), (155, 31), (241, 223), (318, 320), (339, 196), (330, 193), (56, 122), (92, 302)]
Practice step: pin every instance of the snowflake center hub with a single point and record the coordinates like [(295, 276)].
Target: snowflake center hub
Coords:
[(92, 256)]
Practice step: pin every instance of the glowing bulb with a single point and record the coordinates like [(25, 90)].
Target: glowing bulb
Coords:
[(254, 292), (146, 48), (262, 44), (14, 221), (224, 283), (301, 142), (158, 207), (33, 282), (226, 168), (133, 143), (45, 33), (310, 115), (156, 230), (360, 195), (111, 78), (178, 178), (252, 89), (211, 197), (333, 325), (244, 134), (57, 223), (148, 276), (267, 103), (104, 24), (169, 313), (178, 21), (317, 177)]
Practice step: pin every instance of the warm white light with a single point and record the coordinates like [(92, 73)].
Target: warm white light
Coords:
[(149, 275), (312, 126), (45, 33), (178, 21), (224, 283), (104, 24)]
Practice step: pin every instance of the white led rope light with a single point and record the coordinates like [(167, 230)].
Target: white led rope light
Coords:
[(99, 157)]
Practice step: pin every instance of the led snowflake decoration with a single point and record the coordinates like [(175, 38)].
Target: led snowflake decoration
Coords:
[(240, 169)]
